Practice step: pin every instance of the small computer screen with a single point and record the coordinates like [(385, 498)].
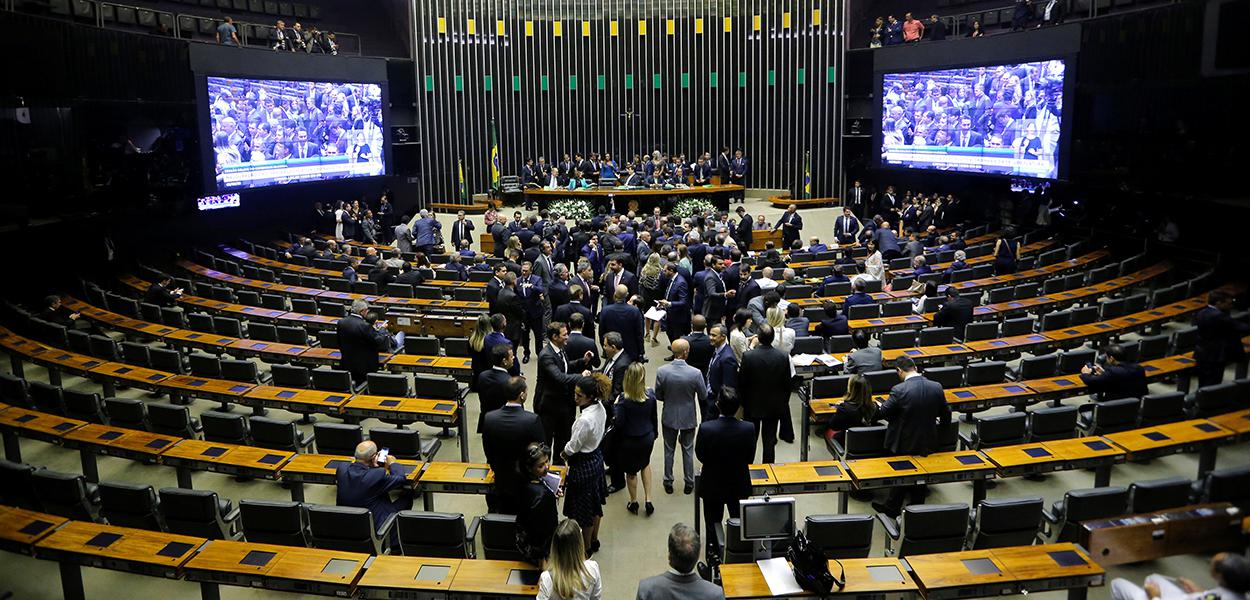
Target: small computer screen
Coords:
[(770, 519)]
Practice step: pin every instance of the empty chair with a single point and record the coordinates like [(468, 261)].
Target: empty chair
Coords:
[(809, 344), (166, 360), (200, 322), (290, 376), (1111, 309), (467, 294), (331, 308), (1084, 315), (66, 494), (947, 439), (332, 380), (388, 384), (737, 550), (949, 377), (104, 347), (1065, 516), (436, 534), (860, 442), (204, 365), (1018, 326), (1038, 367), (265, 332), (228, 326), (1159, 494), (881, 381), (1157, 409), (199, 513), (1000, 295), (1052, 423), (936, 336), (399, 290), (274, 522), (926, 529), (304, 305), (428, 292), (1229, 484), (1151, 347), (456, 346), (328, 339), (986, 372), (404, 443), (85, 406), (47, 398), (297, 336), (1184, 340), (1112, 416), (1003, 522), (249, 298), (225, 428), (349, 529), (128, 413), (1026, 290), (1071, 361), (499, 537), (438, 386), (894, 309), (337, 439), (892, 340), (829, 386), (1056, 320), (863, 311), (996, 430), (977, 331), (1135, 303), (1207, 401), (135, 354), (15, 485), (841, 344), (13, 390), (244, 371), (173, 420), (840, 536), (130, 505), (421, 345), (150, 312), (277, 434)]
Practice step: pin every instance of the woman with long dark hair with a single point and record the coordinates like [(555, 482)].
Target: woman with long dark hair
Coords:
[(536, 504)]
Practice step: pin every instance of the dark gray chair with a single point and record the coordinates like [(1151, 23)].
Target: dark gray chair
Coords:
[(1052, 423), (199, 513), (1207, 401), (405, 443), (949, 377), (173, 420), (1101, 418), (936, 336), (456, 346), (388, 384), (291, 376), (986, 372), (926, 529), (1229, 484), (337, 439), (277, 434), (499, 537), (47, 398), (225, 428), (274, 522), (840, 536), (860, 442), (85, 406), (1038, 367), (996, 430), (892, 340), (1002, 522), (163, 359), (1063, 520), (349, 529), (130, 505), (135, 354), (438, 534), (829, 386), (1071, 361), (1159, 494), (333, 380), (881, 381), (1157, 409), (15, 485), (66, 494), (128, 413), (204, 365), (422, 346), (1018, 326), (863, 311), (13, 390), (977, 331)]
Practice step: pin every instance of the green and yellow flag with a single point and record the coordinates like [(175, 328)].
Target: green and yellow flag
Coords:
[(494, 157), (464, 183), (807, 174)]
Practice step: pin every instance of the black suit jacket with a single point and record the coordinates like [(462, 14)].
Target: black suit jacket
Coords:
[(564, 311), (579, 344), (700, 351), (914, 410), (616, 371), (1219, 336), (369, 487), (1124, 380), (722, 374), (505, 434), (625, 319), (490, 392), (510, 305), (553, 395), (360, 344), (956, 314), (743, 233), (766, 391), (725, 447)]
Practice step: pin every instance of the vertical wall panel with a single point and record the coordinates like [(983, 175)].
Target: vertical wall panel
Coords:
[(775, 124)]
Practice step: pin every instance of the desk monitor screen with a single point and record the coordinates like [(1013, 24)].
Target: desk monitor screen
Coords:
[(174, 549), (980, 566), (35, 527), (443, 406), (523, 577), (885, 573), (1067, 558), (389, 403), (1037, 452), (1098, 445), (969, 459), (1157, 436), (475, 473), (902, 465), (110, 435), (258, 558), (271, 459), (759, 474), (63, 426), (767, 519), (340, 566), (828, 471), (432, 573), (1207, 427), (336, 463), (214, 452), (157, 444), (104, 539), (287, 394)]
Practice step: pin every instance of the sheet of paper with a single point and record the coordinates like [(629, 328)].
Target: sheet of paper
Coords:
[(829, 360), (802, 360), (779, 576), (655, 314)]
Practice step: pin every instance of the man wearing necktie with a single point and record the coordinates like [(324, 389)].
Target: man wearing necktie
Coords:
[(461, 229), (855, 198), (553, 395), (304, 148), (532, 293), (846, 228), (676, 303), (738, 174), (791, 226), (967, 137), (714, 293)]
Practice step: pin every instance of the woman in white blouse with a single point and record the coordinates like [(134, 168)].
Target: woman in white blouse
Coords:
[(930, 291), (874, 266), (741, 336), (585, 490), (569, 575), (339, 214)]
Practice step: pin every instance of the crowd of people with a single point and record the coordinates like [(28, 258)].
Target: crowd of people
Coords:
[(283, 38), (1026, 14), (656, 170)]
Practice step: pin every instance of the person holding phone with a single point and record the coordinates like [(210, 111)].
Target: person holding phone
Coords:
[(368, 483)]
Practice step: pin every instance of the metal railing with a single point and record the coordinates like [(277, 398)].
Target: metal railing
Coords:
[(958, 25)]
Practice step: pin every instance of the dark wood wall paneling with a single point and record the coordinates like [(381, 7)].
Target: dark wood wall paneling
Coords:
[(690, 92)]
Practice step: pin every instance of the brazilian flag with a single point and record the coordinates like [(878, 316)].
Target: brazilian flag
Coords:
[(464, 184), (494, 157), (807, 174)]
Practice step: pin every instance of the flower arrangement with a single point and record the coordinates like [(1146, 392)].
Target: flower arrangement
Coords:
[(574, 210), (690, 207)]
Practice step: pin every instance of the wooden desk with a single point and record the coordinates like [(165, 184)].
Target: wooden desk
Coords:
[(296, 400), (314, 571), (1001, 571), (15, 421), (82, 543), (265, 350), (458, 367), (882, 324), (1197, 529), (923, 355), (1039, 568), (1024, 459), (321, 468), (1032, 343), (20, 529), (109, 374), (760, 239), (952, 575), (246, 461), (887, 471), (193, 340), (1197, 435), (222, 561), (408, 410), (92, 439), (1237, 422), (866, 578), (218, 390), (496, 579), (1093, 452), (396, 577)]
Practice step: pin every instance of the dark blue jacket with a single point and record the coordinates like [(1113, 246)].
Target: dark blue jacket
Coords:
[(626, 320), (725, 446), (366, 487)]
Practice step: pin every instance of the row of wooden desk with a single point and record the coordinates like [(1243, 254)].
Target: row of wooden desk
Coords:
[(441, 412), (1032, 248), (294, 268), (74, 544)]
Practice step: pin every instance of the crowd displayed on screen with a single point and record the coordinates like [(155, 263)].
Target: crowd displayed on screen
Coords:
[(1017, 107)]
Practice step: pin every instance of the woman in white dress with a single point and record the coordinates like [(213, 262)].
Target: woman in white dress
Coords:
[(339, 213), (874, 266)]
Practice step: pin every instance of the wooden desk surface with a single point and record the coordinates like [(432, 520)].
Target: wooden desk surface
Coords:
[(1063, 383), (277, 264), (267, 348), (325, 402), (198, 453), (21, 527), (309, 564), (1021, 455), (1238, 422), (863, 576), (1085, 448), (1013, 343), (1031, 564), (201, 339), (143, 442), (201, 385), (419, 408), (960, 462), (901, 321), (815, 471), (456, 473), (762, 475), (946, 352), (434, 362), (134, 545), (401, 573), (867, 469), (50, 426), (327, 464), (491, 577), (607, 192), (264, 286), (1165, 436), (133, 375), (223, 556), (948, 570), (93, 434)]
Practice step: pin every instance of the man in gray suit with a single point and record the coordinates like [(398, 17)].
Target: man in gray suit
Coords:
[(915, 410), (680, 582), (403, 237), (680, 388), (864, 358)]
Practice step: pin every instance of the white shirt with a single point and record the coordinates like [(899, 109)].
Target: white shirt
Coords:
[(874, 266), (587, 430), (593, 591)]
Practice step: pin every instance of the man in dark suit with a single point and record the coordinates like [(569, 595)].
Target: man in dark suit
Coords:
[(160, 293), (742, 231), (791, 226), (676, 303), (1219, 338), (510, 305), (302, 148), (697, 251), (724, 164), (966, 137), (833, 323), (564, 313), (715, 295), (722, 371), (360, 342), (493, 286), (956, 313), (1118, 379), (725, 446), (553, 396), (616, 275), (579, 344), (615, 361), (558, 291), (915, 409), (700, 344), (766, 392), (857, 199), (858, 296), (505, 434), (461, 229), (625, 319), (491, 391), (846, 228), (368, 483), (532, 291)]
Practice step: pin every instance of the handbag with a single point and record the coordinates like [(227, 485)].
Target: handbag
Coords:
[(811, 568)]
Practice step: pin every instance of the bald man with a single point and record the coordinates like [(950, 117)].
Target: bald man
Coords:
[(680, 388), (368, 482)]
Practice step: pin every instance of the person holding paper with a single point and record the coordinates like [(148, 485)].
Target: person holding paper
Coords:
[(676, 303)]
